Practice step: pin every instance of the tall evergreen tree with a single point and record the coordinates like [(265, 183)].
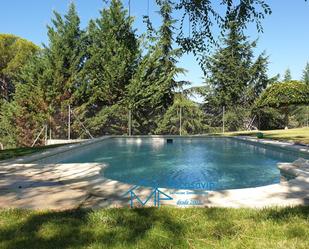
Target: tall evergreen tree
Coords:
[(64, 63), (152, 89), (305, 77), (232, 76), (112, 56), (234, 79), (287, 75)]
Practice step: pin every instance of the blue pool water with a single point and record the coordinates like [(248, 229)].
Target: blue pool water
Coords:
[(197, 163)]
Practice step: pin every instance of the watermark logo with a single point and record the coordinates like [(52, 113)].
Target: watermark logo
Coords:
[(194, 197), (156, 194)]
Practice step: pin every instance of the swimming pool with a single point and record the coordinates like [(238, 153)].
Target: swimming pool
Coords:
[(188, 163)]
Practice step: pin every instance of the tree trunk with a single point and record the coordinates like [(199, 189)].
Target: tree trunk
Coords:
[(286, 116)]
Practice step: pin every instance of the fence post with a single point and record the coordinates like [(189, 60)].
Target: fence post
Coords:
[(180, 121), (69, 123), (50, 129), (46, 137), (130, 123), (308, 116), (223, 124)]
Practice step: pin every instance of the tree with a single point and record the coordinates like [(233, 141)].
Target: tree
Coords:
[(152, 88), (206, 17), (14, 53), (233, 78), (23, 117), (192, 118), (111, 60), (287, 75), (305, 77), (283, 95), (64, 60)]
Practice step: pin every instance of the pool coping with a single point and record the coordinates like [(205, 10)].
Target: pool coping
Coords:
[(97, 188)]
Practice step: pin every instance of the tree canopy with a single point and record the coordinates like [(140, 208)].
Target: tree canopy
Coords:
[(285, 94), (113, 79), (14, 53), (233, 76)]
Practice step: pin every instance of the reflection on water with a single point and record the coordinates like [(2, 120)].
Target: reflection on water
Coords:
[(198, 163)]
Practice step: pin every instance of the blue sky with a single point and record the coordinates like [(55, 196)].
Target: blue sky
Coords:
[(285, 38)]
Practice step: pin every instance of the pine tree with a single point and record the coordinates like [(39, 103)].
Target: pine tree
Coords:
[(151, 91), (305, 77), (112, 56), (229, 69), (233, 77), (64, 63), (287, 75)]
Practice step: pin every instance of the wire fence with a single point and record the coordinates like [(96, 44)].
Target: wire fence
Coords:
[(190, 120)]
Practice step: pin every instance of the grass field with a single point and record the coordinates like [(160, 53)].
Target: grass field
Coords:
[(156, 228), (300, 135), (13, 153)]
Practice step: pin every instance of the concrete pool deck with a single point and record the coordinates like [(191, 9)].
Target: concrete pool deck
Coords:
[(30, 183)]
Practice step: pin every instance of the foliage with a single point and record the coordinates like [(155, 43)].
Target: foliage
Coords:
[(8, 132), (285, 94), (232, 76), (234, 80), (112, 56), (110, 120), (26, 114), (14, 53), (205, 19), (269, 118), (152, 88), (305, 77), (64, 58), (287, 76), (235, 118), (192, 118)]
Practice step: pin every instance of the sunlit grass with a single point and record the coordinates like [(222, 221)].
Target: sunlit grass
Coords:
[(156, 228), (300, 135)]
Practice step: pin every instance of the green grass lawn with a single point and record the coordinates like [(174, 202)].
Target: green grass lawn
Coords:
[(156, 228), (13, 153), (300, 135)]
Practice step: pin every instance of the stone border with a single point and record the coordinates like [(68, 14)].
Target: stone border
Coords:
[(302, 150), (51, 152)]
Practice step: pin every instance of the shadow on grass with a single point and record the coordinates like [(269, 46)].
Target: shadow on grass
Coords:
[(82, 228), (18, 152)]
